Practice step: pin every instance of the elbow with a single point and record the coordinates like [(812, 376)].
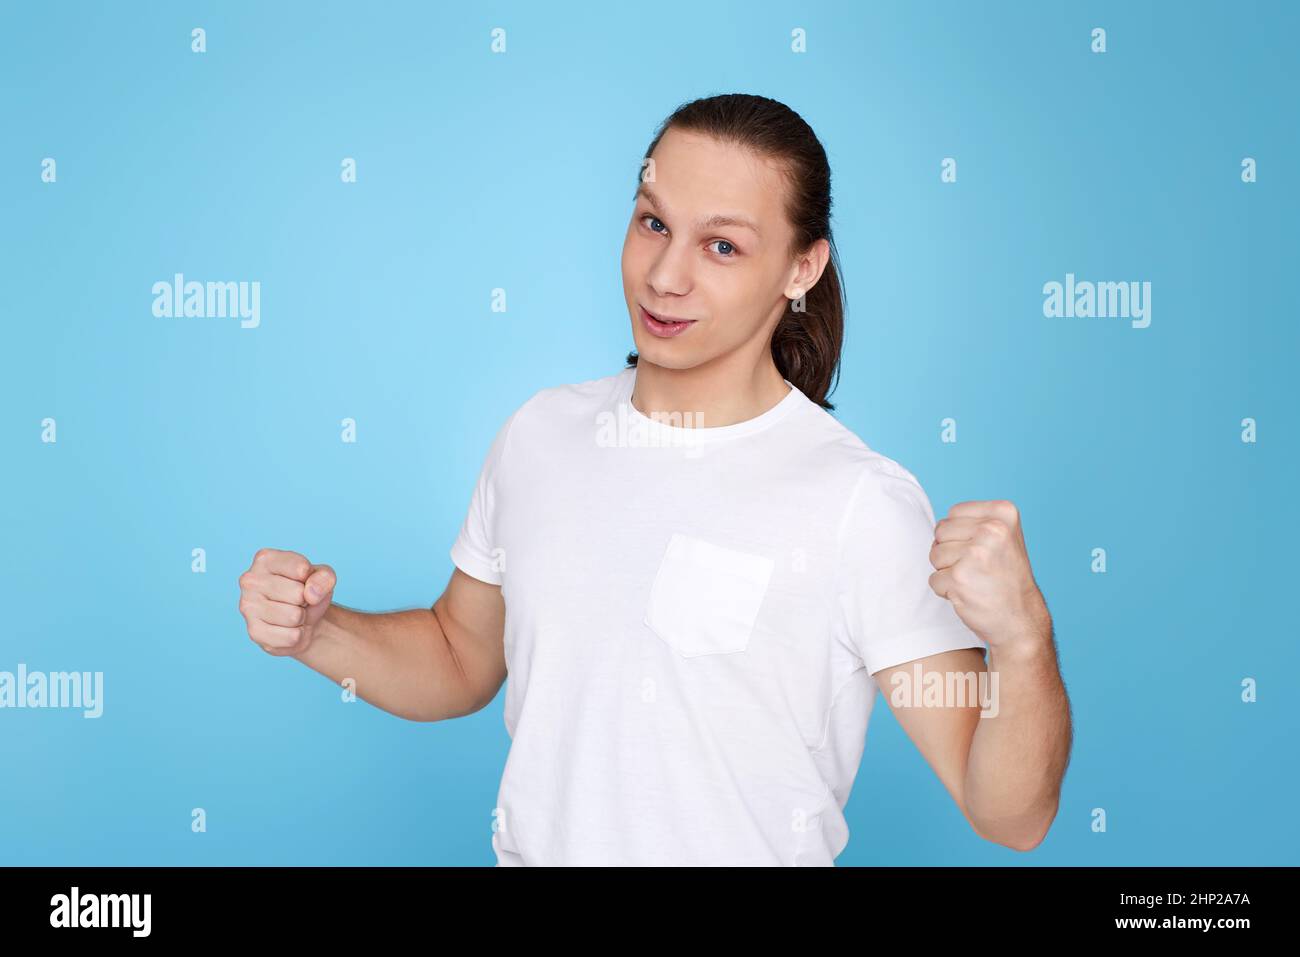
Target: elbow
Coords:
[(1029, 845), (1015, 842), (425, 718), (1021, 835), (470, 702), (419, 715), (439, 711)]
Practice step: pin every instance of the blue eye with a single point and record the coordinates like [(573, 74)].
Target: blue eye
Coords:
[(728, 253)]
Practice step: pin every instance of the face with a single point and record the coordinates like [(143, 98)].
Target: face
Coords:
[(709, 243)]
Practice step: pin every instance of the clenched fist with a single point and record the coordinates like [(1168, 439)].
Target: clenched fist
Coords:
[(982, 567), (283, 596)]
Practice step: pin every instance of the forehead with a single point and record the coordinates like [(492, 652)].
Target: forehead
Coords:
[(697, 177)]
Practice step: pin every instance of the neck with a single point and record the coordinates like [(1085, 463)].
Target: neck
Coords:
[(716, 393)]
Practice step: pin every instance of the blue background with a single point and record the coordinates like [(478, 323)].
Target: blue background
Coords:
[(478, 171)]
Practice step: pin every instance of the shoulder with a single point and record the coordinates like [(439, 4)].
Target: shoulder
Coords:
[(841, 453), (579, 396), (570, 399), (550, 411), (882, 507)]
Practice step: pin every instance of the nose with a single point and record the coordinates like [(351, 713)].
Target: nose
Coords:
[(669, 274)]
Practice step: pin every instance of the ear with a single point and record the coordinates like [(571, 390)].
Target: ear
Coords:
[(809, 268)]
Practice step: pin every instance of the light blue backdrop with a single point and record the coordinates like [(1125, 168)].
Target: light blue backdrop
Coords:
[(479, 170)]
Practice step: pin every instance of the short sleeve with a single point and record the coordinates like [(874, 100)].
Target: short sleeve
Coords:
[(476, 551), (892, 616)]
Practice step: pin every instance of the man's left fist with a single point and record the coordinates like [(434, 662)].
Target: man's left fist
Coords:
[(982, 567)]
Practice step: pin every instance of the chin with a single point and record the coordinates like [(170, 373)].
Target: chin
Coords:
[(667, 358)]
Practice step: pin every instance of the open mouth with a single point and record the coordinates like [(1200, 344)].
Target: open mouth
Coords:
[(664, 328)]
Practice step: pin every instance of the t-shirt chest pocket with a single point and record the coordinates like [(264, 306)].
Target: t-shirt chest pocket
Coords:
[(705, 598)]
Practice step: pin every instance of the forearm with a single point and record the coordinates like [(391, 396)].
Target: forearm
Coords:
[(400, 661), (1018, 756)]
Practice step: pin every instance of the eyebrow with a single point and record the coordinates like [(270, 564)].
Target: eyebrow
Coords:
[(712, 222)]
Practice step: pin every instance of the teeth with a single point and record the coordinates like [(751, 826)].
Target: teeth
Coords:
[(665, 322)]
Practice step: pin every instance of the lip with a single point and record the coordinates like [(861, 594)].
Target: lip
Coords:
[(665, 327)]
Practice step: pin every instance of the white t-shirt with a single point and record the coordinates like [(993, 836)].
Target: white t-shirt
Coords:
[(693, 616)]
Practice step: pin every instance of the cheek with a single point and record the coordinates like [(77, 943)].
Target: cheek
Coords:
[(633, 261), (733, 296)]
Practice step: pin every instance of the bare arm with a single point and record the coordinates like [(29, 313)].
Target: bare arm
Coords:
[(422, 664), (1018, 758), (1004, 771), (1003, 767)]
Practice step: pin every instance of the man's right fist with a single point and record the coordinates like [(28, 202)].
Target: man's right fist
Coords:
[(282, 596)]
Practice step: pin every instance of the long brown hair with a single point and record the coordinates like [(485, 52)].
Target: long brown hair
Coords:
[(805, 345)]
